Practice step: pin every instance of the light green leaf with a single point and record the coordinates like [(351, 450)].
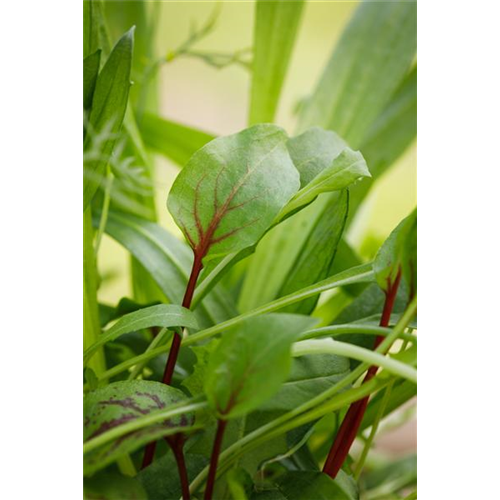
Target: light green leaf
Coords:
[(398, 251), (94, 31), (325, 163), (251, 362), (314, 261), (169, 262), (123, 402), (231, 190), (113, 487), (175, 141), (368, 64), (108, 109), (165, 315), (276, 26)]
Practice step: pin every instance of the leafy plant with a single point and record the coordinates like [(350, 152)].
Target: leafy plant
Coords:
[(256, 351)]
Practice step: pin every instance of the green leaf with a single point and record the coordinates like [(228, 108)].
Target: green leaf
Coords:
[(94, 31), (325, 164), (90, 72), (108, 109), (398, 251), (368, 64), (315, 259), (238, 377), (301, 485), (175, 141), (122, 402), (169, 262), (310, 375), (231, 190), (165, 315), (276, 26), (113, 487)]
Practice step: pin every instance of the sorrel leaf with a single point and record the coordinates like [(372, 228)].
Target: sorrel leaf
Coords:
[(169, 261), (397, 252), (238, 376), (165, 315), (175, 141), (231, 190), (108, 109), (275, 30), (122, 402), (325, 163), (367, 65), (113, 487)]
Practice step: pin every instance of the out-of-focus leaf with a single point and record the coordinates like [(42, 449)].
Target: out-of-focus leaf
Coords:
[(90, 72), (108, 109), (175, 141), (94, 31), (113, 487), (121, 402), (276, 25), (367, 66)]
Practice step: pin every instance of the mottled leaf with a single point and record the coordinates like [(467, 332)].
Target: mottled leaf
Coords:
[(231, 190), (251, 362), (122, 402)]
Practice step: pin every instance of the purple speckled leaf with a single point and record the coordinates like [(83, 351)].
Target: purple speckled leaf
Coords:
[(120, 403)]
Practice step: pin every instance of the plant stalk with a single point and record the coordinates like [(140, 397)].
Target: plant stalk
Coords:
[(214, 459), (176, 443), (149, 452), (352, 420)]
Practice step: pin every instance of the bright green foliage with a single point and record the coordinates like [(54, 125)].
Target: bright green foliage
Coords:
[(231, 190), (90, 72), (239, 377)]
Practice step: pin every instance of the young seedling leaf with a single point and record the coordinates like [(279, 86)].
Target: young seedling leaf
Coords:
[(113, 487), (122, 402), (90, 72), (397, 252), (231, 190), (325, 163), (164, 315), (251, 362), (108, 110)]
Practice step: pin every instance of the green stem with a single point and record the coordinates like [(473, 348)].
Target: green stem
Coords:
[(105, 208)]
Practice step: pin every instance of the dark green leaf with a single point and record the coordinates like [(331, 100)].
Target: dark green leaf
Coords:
[(314, 261), (90, 72), (108, 109), (169, 261), (231, 190), (113, 487), (251, 362), (276, 25), (175, 141), (165, 315), (121, 402)]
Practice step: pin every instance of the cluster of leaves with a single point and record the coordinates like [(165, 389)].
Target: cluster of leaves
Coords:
[(254, 367)]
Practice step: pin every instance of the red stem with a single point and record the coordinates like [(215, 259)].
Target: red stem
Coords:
[(354, 416), (149, 453), (214, 459), (176, 442)]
